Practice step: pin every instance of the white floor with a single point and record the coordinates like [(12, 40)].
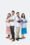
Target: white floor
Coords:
[(4, 41)]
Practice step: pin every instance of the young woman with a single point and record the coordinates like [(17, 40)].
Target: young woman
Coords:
[(24, 28), (8, 25)]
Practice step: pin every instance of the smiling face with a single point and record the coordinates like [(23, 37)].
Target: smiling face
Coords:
[(17, 13), (13, 12), (23, 15), (9, 14)]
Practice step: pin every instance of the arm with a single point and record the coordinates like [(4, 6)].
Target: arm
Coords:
[(12, 19), (25, 21)]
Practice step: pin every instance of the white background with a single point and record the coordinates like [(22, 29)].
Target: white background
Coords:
[(17, 5)]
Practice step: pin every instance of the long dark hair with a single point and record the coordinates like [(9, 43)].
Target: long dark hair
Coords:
[(23, 15), (9, 14)]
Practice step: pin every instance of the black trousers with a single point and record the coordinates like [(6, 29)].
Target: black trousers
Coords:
[(12, 31)]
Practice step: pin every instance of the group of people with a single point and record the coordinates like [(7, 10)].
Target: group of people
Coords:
[(13, 24)]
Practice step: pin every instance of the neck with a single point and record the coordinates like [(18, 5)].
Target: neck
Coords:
[(12, 14)]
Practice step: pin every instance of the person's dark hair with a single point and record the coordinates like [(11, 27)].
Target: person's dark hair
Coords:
[(9, 14), (23, 15), (17, 12), (13, 11)]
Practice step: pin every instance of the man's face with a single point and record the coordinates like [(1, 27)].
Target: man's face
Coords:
[(13, 13), (17, 14)]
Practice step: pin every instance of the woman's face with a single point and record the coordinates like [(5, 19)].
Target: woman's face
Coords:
[(9, 15), (23, 15)]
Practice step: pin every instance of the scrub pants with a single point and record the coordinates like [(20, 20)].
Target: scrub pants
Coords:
[(17, 32)]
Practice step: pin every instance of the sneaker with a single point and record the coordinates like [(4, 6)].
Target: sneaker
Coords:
[(7, 37), (23, 37), (13, 39), (17, 39)]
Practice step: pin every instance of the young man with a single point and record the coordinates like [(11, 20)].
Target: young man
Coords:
[(12, 20), (17, 26)]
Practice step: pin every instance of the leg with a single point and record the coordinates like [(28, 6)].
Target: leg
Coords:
[(23, 32), (8, 36), (17, 33), (12, 32), (23, 36), (8, 32)]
